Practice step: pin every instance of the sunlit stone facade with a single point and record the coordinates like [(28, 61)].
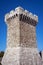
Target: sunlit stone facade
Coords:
[(21, 39)]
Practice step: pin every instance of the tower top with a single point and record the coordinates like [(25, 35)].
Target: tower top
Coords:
[(20, 10)]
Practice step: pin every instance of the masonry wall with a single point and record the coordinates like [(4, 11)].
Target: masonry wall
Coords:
[(27, 34), (13, 32), (20, 33)]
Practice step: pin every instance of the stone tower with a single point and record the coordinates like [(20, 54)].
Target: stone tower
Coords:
[(21, 38)]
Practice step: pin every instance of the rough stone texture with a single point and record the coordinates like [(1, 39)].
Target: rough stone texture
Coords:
[(21, 56), (13, 34), (20, 34), (27, 35), (21, 39)]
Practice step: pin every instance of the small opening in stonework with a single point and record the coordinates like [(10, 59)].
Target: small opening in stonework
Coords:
[(21, 17), (24, 17), (16, 14), (40, 54)]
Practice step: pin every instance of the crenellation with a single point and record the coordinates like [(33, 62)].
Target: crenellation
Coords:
[(6, 16), (27, 19), (12, 12), (23, 17), (19, 11)]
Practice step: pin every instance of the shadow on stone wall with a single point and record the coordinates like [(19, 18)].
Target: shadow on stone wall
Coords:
[(1, 55)]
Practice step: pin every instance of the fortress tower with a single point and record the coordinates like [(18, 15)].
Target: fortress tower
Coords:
[(21, 38)]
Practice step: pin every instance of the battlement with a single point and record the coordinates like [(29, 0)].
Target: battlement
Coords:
[(24, 15)]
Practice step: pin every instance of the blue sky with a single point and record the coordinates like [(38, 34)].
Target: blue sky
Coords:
[(34, 6)]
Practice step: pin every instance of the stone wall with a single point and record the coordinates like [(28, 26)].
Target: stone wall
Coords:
[(13, 32), (21, 39), (27, 35)]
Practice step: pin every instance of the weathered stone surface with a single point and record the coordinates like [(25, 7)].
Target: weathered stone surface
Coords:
[(13, 34), (21, 39), (21, 56), (27, 35), (20, 34)]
